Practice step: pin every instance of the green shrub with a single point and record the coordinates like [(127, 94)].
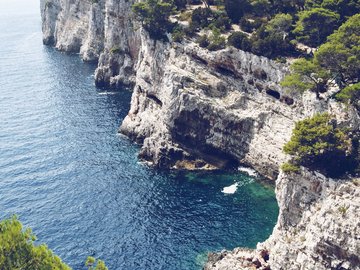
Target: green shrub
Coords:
[(343, 209), (115, 50), (203, 41), (178, 34), (92, 264), (289, 167), (315, 25), (317, 143), (17, 249), (221, 21), (154, 16), (240, 41), (350, 94), (217, 42), (201, 17)]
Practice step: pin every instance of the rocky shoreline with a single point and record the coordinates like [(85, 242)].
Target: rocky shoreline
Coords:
[(192, 108)]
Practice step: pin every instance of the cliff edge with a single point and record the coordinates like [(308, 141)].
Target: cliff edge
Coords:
[(317, 228), (196, 109)]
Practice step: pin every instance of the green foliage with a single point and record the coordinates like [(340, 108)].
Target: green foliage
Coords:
[(221, 21), (115, 50), (350, 94), (317, 143), (341, 54), (345, 8), (178, 34), (343, 209), (315, 25), (270, 43), (17, 249), (235, 9), (239, 40), (280, 24), (260, 7), (154, 16), (217, 42), (289, 167), (203, 41), (306, 75), (92, 264), (201, 17)]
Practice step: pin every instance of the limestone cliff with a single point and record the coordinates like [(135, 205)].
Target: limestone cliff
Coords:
[(100, 30), (317, 228), (191, 108), (189, 105)]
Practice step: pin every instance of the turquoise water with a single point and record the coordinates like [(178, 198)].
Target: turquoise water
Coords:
[(68, 174)]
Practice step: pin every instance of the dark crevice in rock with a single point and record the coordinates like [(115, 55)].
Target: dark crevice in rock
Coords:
[(273, 93), (155, 99)]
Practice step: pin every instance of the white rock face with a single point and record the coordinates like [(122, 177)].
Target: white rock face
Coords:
[(189, 104), (101, 30), (318, 227), (191, 107), (223, 107)]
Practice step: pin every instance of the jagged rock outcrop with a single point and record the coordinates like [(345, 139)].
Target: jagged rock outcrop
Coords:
[(318, 226), (101, 30)]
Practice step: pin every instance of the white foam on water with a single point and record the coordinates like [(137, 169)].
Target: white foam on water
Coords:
[(108, 93), (230, 189), (249, 171)]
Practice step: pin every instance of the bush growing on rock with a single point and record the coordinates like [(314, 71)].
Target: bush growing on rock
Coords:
[(306, 75), (240, 41), (154, 16), (203, 41), (350, 94), (317, 143), (217, 42)]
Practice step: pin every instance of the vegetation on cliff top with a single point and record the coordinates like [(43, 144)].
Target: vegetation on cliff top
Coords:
[(271, 28), (336, 62), (320, 144), (18, 251)]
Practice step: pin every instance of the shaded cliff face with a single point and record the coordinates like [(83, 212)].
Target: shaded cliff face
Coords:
[(317, 228)]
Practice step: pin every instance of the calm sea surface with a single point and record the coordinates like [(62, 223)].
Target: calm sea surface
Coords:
[(66, 172)]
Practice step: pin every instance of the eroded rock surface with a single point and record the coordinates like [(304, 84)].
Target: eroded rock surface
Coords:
[(318, 226)]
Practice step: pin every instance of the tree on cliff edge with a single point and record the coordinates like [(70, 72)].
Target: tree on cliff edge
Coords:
[(319, 144), (154, 16)]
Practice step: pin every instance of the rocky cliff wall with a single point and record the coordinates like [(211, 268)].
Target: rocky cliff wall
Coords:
[(100, 30), (223, 107), (317, 228), (190, 107)]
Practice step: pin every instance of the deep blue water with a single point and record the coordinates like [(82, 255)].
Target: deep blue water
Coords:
[(68, 174)]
